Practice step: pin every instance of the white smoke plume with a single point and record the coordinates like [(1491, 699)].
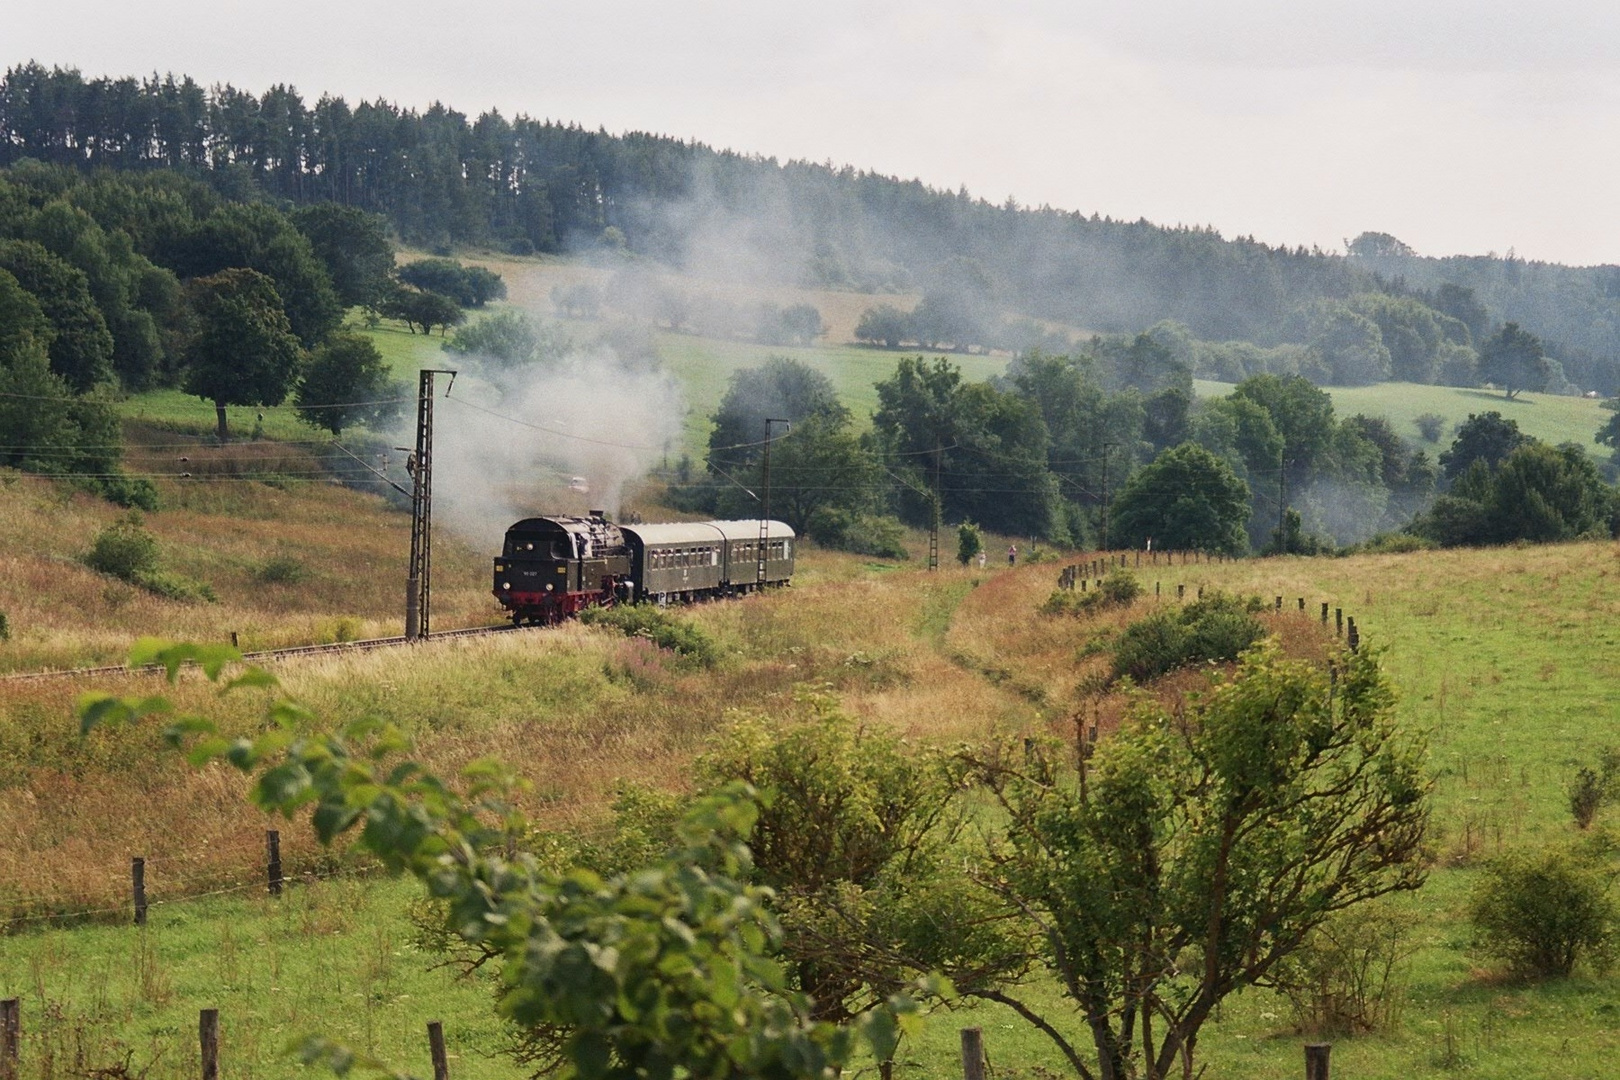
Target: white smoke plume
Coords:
[(508, 443)]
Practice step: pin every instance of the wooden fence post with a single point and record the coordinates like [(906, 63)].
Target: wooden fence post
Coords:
[(10, 1037), (1302, 603), (973, 1053), (272, 844), (441, 1061), (1324, 612), (208, 1039), (1316, 1060), (137, 884), (1338, 622), (1352, 638)]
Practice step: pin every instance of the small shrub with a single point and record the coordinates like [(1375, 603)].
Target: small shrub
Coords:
[(172, 586), (1349, 975), (1543, 911), (1217, 628), (338, 630), (281, 570), (1591, 788), (1061, 602), (1430, 425), (1390, 544), (1119, 588), (1585, 797), (657, 625), (124, 550), (130, 492)]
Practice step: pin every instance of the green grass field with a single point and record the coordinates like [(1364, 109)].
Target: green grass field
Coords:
[(1548, 417), (336, 957), (704, 367)]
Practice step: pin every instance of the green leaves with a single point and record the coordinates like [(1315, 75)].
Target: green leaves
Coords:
[(95, 709), (171, 656)]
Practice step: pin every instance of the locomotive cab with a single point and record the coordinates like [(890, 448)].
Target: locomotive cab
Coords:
[(550, 568)]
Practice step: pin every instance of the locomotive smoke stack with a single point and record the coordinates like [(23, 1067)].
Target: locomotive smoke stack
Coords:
[(599, 515)]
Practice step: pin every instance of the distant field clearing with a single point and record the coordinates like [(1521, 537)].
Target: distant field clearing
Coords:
[(1548, 417)]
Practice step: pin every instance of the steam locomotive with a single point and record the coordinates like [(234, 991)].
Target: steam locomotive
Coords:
[(551, 568)]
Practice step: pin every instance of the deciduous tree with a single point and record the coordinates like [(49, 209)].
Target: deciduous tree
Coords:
[(1489, 437), (1514, 360), (1185, 499), (885, 325), (347, 382), (1203, 846), (244, 351), (781, 388)]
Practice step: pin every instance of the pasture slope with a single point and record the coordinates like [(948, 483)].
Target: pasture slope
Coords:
[(1549, 417), (1504, 657)]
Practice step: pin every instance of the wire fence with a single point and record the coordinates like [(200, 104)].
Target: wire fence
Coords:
[(189, 885)]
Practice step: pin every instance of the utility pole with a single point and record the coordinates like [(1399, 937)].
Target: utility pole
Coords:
[(765, 512), (1282, 506), (933, 532), (1107, 446), (420, 466)]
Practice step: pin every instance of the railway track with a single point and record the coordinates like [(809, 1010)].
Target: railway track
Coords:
[(265, 655)]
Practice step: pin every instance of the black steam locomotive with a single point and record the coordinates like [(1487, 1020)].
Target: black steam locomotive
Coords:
[(551, 568)]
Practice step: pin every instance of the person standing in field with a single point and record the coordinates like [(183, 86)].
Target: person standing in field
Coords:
[(981, 558), (1012, 554)]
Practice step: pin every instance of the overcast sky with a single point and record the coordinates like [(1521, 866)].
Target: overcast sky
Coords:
[(1460, 127)]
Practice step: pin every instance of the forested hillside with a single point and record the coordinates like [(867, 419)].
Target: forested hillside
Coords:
[(525, 184)]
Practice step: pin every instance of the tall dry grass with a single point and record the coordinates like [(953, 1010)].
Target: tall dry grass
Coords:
[(309, 563)]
